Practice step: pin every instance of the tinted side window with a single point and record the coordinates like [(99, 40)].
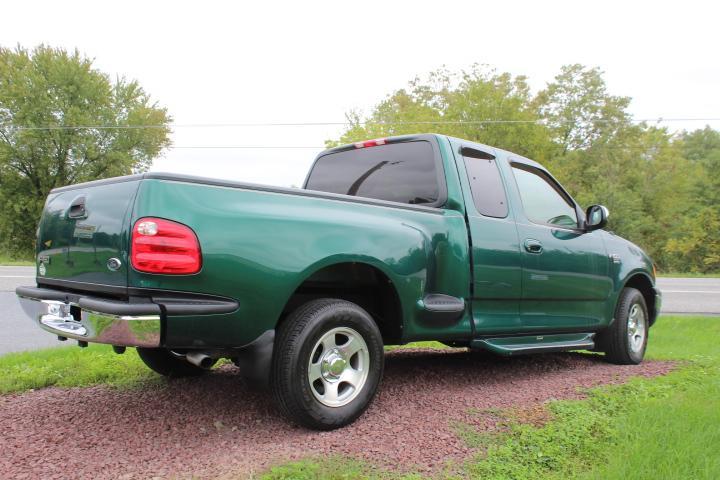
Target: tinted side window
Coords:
[(488, 190), (542, 199), (399, 172)]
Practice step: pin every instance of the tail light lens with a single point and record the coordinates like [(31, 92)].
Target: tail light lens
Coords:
[(371, 143), (165, 247)]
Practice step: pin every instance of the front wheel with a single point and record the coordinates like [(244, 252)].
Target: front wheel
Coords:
[(625, 341), (327, 364)]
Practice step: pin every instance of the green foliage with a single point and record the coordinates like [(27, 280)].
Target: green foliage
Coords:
[(689, 452), (71, 367), (328, 468), (695, 242), (14, 260), (49, 87), (663, 190), (644, 429), (666, 427)]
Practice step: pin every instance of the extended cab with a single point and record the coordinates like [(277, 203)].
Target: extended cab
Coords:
[(420, 237)]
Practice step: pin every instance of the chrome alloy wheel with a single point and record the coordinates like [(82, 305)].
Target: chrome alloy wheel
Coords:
[(636, 328), (338, 367)]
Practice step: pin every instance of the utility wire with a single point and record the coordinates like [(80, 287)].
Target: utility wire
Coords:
[(346, 123), (249, 147), (322, 147)]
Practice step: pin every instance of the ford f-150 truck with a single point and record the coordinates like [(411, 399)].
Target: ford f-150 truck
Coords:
[(395, 240)]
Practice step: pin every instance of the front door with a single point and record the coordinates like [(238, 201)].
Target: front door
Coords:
[(565, 270)]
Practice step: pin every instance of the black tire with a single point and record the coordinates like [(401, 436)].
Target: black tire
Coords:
[(615, 341), (298, 341), (160, 360)]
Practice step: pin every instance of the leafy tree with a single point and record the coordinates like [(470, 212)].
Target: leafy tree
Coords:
[(663, 191), (702, 148), (694, 243), (603, 157), (443, 102), (44, 95), (579, 111)]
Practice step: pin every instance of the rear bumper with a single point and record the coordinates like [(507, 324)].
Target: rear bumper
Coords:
[(139, 323), (91, 319)]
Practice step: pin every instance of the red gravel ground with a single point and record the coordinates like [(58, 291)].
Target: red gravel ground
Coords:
[(217, 426)]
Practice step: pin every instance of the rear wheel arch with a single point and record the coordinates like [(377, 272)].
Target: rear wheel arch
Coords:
[(358, 282)]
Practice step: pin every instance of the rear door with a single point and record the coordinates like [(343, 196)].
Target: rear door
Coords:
[(565, 270), (83, 234), (495, 251)]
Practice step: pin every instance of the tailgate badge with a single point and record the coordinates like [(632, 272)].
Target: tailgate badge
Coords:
[(42, 270), (114, 264)]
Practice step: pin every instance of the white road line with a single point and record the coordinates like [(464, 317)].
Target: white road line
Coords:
[(17, 276), (717, 292)]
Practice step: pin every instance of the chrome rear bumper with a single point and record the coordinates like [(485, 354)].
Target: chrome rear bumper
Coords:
[(69, 319)]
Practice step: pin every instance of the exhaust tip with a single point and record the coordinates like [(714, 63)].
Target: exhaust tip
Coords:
[(200, 359)]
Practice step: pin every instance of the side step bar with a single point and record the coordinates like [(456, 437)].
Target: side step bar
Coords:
[(536, 343)]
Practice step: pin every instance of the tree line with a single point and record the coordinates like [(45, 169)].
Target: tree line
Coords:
[(44, 92), (662, 188)]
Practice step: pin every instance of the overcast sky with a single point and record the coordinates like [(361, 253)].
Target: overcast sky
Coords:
[(253, 62)]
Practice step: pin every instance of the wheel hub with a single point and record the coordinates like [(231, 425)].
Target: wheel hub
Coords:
[(636, 328), (338, 366), (333, 365)]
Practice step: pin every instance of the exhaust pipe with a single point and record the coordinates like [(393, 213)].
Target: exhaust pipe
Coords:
[(199, 359)]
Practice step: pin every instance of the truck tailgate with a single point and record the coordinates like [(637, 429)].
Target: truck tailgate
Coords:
[(83, 233)]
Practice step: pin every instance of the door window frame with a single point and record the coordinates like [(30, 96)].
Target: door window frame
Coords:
[(555, 185)]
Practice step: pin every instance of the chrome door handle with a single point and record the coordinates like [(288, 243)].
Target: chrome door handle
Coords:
[(533, 246)]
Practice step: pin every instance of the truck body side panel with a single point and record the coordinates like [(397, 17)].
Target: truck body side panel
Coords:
[(259, 246)]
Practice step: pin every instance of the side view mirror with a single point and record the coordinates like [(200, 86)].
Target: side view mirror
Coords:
[(596, 217)]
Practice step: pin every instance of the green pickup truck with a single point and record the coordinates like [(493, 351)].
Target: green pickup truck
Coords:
[(394, 240)]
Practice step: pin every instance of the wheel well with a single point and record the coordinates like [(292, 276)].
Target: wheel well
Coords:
[(644, 285), (359, 283)]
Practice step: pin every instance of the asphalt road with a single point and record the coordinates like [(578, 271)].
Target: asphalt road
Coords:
[(18, 333), (690, 295)]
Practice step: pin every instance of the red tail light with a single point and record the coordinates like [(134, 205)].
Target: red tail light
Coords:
[(371, 143), (162, 246)]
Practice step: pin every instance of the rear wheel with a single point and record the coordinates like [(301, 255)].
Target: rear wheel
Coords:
[(625, 341), (327, 364), (166, 363)]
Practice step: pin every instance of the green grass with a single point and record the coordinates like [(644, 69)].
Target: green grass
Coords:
[(688, 275), (71, 367), (666, 427), (436, 345), (673, 436), (336, 468), (12, 261)]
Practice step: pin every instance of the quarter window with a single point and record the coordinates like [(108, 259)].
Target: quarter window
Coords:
[(543, 200), (487, 187)]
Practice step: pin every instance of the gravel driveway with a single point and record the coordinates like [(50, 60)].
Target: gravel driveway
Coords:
[(217, 426)]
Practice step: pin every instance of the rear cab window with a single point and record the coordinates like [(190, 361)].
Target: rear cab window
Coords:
[(405, 172)]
